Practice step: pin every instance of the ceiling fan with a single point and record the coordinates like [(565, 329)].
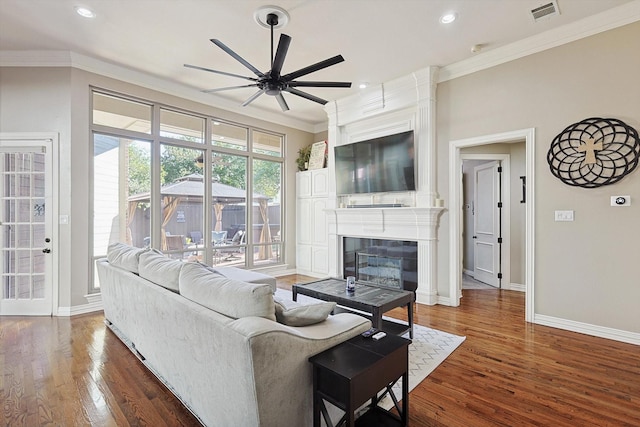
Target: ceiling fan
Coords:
[(273, 82)]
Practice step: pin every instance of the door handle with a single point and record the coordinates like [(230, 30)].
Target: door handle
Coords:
[(46, 251), (475, 237)]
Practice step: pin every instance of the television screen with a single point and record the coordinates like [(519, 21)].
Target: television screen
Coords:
[(376, 165)]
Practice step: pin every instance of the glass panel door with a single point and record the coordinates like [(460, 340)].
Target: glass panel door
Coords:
[(25, 229)]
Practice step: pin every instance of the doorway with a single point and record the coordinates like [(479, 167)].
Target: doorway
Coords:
[(27, 209), (456, 209), (486, 214)]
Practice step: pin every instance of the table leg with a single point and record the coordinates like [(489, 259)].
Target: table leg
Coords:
[(376, 318), (410, 316), (294, 293), (405, 397)]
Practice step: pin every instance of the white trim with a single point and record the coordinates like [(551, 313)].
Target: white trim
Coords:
[(588, 329), (455, 221), (517, 287), (79, 309), (595, 24)]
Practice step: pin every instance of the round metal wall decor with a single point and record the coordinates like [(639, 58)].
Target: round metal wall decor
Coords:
[(594, 152)]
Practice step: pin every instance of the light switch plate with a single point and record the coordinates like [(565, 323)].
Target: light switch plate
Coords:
[(64, 219), (620, 200), (564, 215)]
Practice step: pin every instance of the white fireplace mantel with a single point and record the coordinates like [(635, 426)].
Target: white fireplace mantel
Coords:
[(395, 223), (407, 103)]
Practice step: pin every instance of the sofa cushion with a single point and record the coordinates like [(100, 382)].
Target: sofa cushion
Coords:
[(293, 313), (246, 276), (157, 268), (230, 297), (124, 256)]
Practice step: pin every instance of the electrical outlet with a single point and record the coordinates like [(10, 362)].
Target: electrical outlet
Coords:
[(564, 215), (620, 200)]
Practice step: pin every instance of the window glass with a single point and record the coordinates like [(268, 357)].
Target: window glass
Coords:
[(229, 210), (121, 188), (266, 143), (181, 201), (121, 113), (229, 136), (181, 126), (267, 215)]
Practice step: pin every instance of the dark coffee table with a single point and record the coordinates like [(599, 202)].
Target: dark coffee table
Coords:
[(368, 299)]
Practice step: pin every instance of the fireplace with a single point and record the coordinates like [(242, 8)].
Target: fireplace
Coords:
[(389, 263)]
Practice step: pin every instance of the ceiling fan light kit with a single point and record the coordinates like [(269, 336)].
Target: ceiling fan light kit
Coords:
[(273, 82)]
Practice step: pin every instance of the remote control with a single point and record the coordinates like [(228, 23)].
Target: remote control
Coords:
[(371, 332), (379, 336)]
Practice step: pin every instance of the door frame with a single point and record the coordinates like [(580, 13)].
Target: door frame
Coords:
[(455, 209), (505, 259), (50, 140)]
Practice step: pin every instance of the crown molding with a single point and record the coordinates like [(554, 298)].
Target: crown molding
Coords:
[(595, 24), (38, 58)]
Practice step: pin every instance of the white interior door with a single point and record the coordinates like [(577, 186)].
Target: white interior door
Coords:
[(26, 220), (486, 223)]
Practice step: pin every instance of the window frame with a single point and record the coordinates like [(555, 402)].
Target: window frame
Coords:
[(156, 140)]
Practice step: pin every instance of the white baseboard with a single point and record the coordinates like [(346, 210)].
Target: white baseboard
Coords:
[(517, 287), (588, 329), (79, 309), (94, 304)]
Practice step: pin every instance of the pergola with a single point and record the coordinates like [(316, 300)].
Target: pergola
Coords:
[(192, 187)]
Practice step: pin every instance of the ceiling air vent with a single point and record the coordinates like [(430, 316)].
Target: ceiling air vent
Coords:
[(545, 11)]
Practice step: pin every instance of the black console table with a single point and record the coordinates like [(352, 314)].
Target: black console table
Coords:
[(355, 371)]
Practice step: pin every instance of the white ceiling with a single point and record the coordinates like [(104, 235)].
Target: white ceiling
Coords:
[(380, 39)]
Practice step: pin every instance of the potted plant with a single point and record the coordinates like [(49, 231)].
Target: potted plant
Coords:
[(303, 158)]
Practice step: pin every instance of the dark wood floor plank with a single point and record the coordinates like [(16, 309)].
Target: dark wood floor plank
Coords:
[(68, 372)]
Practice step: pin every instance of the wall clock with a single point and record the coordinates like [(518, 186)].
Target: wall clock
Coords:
[(594, 152)]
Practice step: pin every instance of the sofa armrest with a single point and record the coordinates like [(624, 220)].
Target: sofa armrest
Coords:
[(332, 326), (280, 354)]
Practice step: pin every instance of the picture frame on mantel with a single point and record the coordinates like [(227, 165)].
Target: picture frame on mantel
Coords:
[(318, 155)]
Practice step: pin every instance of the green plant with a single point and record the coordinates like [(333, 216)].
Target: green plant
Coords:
[(303, 157)]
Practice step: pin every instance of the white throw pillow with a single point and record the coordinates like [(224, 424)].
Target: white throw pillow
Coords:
[(124, 256), (159, 269), (232, 298), (293, 313)]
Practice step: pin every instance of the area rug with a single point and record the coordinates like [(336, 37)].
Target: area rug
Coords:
[(428, 349)]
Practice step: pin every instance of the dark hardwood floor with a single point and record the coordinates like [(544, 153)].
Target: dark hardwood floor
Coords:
[(75, 372)]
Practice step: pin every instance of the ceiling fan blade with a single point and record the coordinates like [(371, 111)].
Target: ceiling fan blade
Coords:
[(237, 57), (278, 60), (282, 102), (313, 68), (253, 97), (306, 95), (229, 88), (319, 84), (220, 72)]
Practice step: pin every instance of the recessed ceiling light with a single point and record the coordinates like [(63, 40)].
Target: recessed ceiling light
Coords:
[(362, 85), (84, 12), (448, 18)]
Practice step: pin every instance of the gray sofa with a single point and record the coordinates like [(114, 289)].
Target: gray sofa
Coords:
[(214, 341)]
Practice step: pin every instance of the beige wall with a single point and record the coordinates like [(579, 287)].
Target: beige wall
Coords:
[(586, 270), (57, 100)]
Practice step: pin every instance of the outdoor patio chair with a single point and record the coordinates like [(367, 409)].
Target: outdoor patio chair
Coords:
[(196, 238), (238, 239), (175, 242)]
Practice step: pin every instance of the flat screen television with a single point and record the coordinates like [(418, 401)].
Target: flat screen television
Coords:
[(377, 165)]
